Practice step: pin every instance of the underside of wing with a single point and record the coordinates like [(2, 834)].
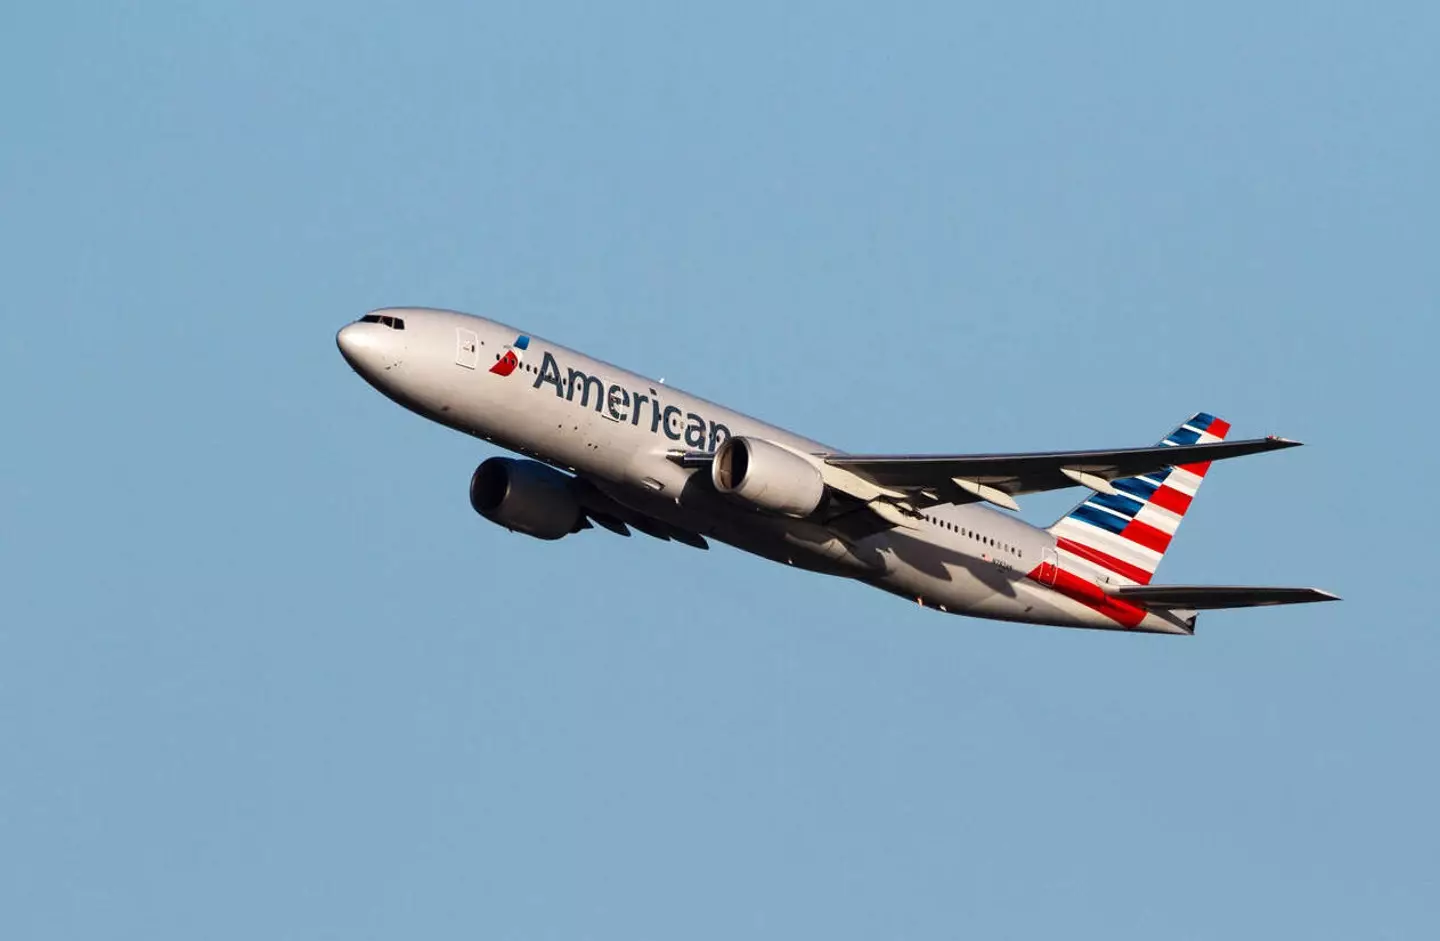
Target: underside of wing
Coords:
[(619, 519), (1216, 597)]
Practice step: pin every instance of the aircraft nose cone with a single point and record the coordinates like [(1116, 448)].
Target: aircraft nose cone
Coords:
[(352, 342), (363, 347)]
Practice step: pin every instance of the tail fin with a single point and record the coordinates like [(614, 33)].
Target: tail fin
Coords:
[(1122, 537)]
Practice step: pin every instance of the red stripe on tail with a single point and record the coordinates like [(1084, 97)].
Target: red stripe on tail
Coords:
[(1168, 498), (1145, 535)]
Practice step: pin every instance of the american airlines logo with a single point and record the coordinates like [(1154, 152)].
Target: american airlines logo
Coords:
[(506, 364), (619, 404)]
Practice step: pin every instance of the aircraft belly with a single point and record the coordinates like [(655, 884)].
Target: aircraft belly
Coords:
[(957, 582), (943, 577)]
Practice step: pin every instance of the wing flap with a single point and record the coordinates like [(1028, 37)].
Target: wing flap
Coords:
[(1216, 597)]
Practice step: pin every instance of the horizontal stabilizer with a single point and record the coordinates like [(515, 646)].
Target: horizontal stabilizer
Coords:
[(1214, 597)]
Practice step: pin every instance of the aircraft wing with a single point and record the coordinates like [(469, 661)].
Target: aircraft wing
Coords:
[(996, 477), (885, 490), (1214, 597)]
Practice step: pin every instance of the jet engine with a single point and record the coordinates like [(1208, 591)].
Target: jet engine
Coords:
[(768, 476), (527, 497)]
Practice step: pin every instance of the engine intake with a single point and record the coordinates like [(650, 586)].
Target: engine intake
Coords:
[(527, 497), (766, 475)]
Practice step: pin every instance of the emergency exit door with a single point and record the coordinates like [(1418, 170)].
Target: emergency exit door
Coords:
[(1049, 566)]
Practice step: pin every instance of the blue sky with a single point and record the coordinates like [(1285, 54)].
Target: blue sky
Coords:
[(263, 673)]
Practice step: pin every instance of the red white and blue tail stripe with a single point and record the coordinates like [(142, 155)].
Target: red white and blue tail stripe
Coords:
[(1120, 538)]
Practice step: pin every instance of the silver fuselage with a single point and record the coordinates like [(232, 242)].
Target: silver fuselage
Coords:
[(620, 430)]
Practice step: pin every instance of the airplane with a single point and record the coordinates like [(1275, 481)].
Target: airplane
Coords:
[(602, 446)]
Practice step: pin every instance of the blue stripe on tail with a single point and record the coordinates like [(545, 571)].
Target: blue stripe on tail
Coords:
[(1119, 504), (1095, 517)]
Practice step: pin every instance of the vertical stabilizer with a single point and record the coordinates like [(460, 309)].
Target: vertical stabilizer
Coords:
[(1122, 537)]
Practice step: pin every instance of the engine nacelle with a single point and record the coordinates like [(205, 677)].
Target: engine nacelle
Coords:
[(768, 476), (526, 496)]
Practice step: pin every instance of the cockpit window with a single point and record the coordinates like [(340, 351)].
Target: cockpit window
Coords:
[(394, 323)]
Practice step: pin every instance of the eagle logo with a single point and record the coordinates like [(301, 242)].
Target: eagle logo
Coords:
[(506, 364)]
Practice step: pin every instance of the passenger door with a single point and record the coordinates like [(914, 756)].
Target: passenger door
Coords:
[(467, 348)]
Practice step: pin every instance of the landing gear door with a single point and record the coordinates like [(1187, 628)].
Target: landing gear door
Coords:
[(467, 348)]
